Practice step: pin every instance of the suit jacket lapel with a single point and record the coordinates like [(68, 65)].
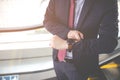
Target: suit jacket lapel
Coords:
[(85, 10)]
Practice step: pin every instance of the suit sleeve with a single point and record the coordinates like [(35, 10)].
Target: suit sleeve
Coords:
[(52, 24), (108, 33), (85, 52)]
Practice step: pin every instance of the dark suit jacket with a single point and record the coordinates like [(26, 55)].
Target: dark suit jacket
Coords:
[(98, 17)]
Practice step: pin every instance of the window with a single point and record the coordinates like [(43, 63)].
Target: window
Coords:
[(16, 18), (22, 15)]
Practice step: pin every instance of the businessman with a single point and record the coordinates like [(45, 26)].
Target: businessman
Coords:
[(81, 33)]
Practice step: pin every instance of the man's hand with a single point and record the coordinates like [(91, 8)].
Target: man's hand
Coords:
[(76, 35), (58, 43)]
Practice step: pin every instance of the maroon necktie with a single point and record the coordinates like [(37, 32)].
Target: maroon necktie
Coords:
[(62, 53)]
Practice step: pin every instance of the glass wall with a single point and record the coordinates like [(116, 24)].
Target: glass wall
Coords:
[(17, 14), (24, 13)]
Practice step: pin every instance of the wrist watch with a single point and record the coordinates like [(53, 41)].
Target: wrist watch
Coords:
[(70, 44)]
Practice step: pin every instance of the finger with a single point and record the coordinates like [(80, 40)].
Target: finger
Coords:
[(81, 35), (71, 36), (77, 37)]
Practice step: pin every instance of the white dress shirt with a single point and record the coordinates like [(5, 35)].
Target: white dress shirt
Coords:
[(78, 9)]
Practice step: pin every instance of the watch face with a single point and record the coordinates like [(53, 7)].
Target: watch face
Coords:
[(71, 41), (69, 47)]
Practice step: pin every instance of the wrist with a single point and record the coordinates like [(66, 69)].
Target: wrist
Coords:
[(65, 45), (70, 43)]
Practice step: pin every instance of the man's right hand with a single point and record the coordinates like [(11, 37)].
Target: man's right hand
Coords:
[(76, 35)]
